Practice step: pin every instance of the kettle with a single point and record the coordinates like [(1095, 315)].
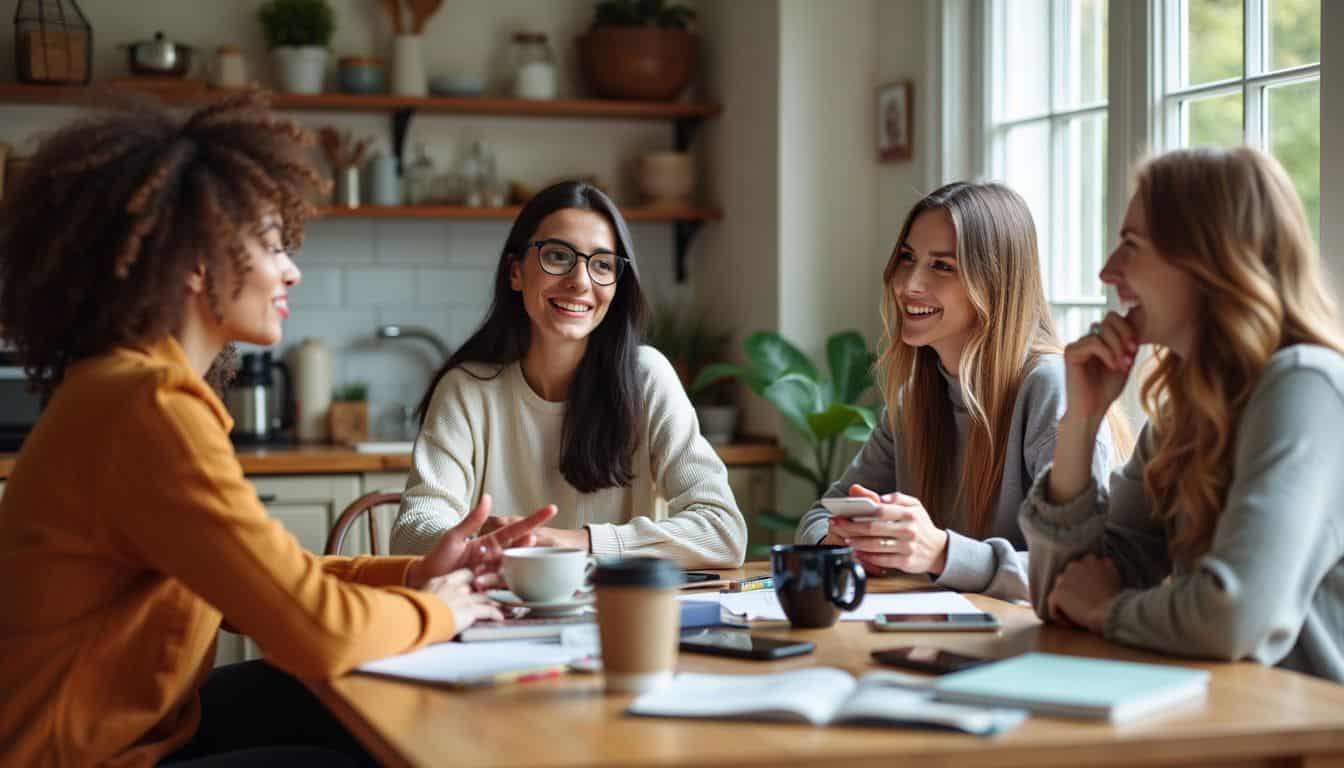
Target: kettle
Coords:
[(258, 416)]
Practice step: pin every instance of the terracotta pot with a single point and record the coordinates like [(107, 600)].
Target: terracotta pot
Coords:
[(637, 62)]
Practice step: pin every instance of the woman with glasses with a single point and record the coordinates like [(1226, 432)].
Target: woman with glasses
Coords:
[(554, 401), (974, 385)]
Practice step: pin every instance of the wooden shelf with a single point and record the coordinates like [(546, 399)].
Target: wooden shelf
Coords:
[(507, 213), (185, 92)]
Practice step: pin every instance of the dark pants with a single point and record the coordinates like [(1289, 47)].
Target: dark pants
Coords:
[(252, 714)]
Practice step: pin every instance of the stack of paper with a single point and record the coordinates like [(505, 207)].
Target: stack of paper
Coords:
[(463, 665), (763, 605)]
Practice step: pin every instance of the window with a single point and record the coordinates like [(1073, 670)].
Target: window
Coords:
[(1245, 71), (1046, 73)]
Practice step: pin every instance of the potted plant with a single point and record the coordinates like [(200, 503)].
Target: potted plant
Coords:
[(823, 410), (692, 346), (348, 417), (639, 49), (298, 32)]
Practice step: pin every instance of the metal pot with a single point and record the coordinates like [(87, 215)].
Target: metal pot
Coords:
[(158, 57)]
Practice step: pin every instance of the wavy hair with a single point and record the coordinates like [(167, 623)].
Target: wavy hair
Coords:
[(1232, 220), (999, 266), (117, 209), (604, 416)]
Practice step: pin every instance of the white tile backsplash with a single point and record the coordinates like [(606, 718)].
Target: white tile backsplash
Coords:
[(412, 242), (375, 287), (471, 287), (318, 288), (337, 241)]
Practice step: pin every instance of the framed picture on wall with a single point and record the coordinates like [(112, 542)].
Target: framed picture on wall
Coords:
[(895, 121)]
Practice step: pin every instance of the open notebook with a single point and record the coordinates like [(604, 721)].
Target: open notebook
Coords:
[(820, 696)]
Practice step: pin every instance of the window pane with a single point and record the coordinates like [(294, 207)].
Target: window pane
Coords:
[(1023, 71), (1082, 76), (1213, 41), (1294, 122), (1294, 33), (1081, 210), (1073, 322), (1212, 120), (1026, 168)]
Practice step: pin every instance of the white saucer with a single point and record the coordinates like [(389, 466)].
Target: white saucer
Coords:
[(550, 608)]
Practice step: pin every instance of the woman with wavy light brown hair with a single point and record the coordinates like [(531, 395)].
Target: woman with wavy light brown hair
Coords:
[(974, 385), (140, 244), (1223, 535)]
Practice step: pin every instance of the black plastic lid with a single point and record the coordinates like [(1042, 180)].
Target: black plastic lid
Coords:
[(655, 572)]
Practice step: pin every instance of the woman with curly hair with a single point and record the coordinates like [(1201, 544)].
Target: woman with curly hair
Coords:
[(1223, 537), (139, 246)]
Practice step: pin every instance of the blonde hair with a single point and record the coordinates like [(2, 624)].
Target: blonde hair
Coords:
[(1232, 221), (999, 266)]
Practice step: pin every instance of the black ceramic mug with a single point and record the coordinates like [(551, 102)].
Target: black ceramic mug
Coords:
[(811, 581)]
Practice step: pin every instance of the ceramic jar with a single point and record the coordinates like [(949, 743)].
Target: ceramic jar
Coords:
[(667, 178)]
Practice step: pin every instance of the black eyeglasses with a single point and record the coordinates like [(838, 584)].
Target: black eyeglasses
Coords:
[(558, 257)]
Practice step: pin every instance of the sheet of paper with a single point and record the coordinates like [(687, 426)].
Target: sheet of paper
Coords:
[(764, 605), (459, 662)]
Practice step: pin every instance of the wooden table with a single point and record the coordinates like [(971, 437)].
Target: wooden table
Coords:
[(1253, 715)]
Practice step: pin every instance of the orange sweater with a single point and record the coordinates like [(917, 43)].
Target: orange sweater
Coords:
[(126, 530)]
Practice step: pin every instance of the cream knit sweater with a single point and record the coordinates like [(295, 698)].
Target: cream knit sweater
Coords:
[(492, 434)]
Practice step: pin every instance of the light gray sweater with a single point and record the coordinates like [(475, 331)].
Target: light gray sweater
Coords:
[(994, 566), (1271, 586)]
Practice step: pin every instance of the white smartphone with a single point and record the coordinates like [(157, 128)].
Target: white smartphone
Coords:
[(935, 622), (854, 507)]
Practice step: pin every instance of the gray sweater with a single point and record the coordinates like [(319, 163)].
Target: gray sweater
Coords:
[(1271, 586), (994, 566)]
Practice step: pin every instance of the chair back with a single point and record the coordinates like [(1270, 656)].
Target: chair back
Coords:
[(364, 505)]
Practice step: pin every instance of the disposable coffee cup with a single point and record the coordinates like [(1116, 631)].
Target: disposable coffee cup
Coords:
[(638, 621)]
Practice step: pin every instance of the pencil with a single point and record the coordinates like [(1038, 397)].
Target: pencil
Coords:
[(516, 676), (752, 584)]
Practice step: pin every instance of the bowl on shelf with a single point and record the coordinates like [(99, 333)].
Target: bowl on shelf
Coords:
[(362, 74), (457, 84)]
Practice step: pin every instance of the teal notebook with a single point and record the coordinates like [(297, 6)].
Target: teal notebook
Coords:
[(1072, 686)]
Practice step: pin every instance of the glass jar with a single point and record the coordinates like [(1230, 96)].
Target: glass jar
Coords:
[(533, 66), (419, 178)]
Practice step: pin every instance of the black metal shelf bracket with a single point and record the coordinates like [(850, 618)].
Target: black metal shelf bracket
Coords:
[(401, 123), (685, 232), (685, 128)]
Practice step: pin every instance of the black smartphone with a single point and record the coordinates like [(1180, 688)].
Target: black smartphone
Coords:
[(693, 577), (935, 622), (927, 659), (729, 642)]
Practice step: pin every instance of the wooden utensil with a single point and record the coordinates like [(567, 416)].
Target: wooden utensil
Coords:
[(393, 8), (421, 11)]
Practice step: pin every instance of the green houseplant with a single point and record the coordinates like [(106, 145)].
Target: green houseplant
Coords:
[(822, 409), (639, 49), (691, 345), (298, 33)]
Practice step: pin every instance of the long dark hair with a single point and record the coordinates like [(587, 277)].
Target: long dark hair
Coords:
[(606, 405)]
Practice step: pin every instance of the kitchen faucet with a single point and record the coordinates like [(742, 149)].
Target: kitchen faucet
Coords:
[(417, 332)]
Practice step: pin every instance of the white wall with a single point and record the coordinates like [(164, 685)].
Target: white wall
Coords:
[(362, 273)]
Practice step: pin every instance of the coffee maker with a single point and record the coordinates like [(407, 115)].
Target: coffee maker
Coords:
[(260, 411)]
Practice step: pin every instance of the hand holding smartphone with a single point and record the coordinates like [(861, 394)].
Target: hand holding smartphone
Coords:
[(855, 508)]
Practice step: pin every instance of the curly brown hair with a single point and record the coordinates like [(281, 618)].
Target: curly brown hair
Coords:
[(116, 210)]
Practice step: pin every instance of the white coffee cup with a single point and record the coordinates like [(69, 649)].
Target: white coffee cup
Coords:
[(545, 574)]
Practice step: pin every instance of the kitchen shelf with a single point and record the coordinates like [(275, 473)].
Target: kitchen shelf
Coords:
[(507, 213), (685, 117)]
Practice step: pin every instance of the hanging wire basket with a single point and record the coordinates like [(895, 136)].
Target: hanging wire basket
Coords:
[(53, 42)]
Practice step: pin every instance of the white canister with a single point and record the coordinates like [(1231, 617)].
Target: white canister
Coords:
[(384, 182), (230, 69), (311, 363), (408, 67), (536, 80), (301, 69)]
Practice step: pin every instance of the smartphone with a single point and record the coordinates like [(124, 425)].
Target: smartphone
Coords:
[(693, 577), (729, 642), (927, 659), (935, 622), (854, 507)]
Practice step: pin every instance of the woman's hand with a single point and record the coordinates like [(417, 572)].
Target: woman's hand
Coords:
[(467, 605), (1083, 593), (546, 537), (901, 536), (1098, 365), (457, 549)]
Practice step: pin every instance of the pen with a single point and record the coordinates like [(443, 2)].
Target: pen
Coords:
[(754, 583), (517, 676)]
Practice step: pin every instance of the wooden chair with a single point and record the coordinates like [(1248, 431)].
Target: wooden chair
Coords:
[(364, 505)]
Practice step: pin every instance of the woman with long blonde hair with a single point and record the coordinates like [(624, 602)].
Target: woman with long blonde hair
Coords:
[(973, 384), (1223, 536)]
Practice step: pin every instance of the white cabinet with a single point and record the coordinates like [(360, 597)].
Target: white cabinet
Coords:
[(307, 505)]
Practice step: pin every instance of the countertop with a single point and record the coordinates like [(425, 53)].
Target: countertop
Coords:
[(333, 459)]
